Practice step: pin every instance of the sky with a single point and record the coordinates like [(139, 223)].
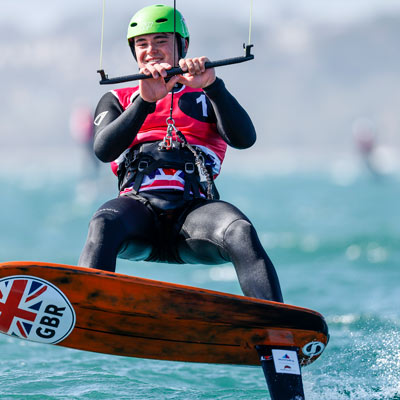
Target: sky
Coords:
[(49, 12)]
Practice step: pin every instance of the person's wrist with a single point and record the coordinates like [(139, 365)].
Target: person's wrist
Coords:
[(147, 99), (210, 83), (216, 82)]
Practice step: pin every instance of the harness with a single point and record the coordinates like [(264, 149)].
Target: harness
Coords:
[(148, 157)]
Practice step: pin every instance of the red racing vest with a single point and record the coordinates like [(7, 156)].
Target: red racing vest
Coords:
[(191, 116)]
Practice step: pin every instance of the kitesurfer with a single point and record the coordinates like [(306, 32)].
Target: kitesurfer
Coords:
[(166, 140)]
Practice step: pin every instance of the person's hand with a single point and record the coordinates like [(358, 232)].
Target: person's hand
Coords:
[(156, 88), (196, 76)]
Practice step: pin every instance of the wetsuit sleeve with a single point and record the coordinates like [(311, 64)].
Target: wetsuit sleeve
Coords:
[(233, 123), (115, 129)]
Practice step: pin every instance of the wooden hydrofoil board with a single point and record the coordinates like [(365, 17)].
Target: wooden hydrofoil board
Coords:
[(93, 310)]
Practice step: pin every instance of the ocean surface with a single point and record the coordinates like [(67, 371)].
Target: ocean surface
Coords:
[(335, 242)]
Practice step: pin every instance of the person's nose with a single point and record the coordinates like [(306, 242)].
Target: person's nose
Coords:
[(152, 48)]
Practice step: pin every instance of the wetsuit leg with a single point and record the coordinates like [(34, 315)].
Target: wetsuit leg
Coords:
[(216, 232), (116, 223)]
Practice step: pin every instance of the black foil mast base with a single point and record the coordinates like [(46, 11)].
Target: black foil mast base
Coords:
[(105, 80), (283, 374)]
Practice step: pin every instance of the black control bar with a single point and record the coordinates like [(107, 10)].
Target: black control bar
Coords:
[(105, 80)]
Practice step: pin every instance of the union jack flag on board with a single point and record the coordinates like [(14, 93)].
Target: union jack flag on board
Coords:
[(20, 302)]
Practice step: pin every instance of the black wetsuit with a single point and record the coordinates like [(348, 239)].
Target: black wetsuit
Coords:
[(162, 226)]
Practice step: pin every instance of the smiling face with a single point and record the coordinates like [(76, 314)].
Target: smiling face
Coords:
[(156, 48)]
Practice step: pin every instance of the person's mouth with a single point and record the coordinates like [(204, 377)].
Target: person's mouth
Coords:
[(153, 61)]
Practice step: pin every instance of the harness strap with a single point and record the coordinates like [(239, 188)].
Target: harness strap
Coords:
[(191, 185), (149, 157)]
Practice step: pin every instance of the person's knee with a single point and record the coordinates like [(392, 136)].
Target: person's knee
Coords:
[(239, 234), (105, 222)]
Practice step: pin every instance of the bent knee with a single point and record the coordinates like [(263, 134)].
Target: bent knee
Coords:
[(104, 221), (239, 233)]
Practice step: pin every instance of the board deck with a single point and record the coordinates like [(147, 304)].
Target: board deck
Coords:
[(93, 310)]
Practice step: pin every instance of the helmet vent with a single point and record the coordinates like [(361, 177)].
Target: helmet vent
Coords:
[(159, 20), (133, 24)]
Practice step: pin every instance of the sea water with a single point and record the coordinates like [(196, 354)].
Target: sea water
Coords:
[(336, 247)]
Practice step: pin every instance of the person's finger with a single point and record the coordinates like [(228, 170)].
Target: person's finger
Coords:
[(172, 81), (152, 71), (190, 66), (162, 69), (182, 64), (202, 62), (197, 66)]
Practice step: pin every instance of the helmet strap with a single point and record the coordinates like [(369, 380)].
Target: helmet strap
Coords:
[(132, 47)]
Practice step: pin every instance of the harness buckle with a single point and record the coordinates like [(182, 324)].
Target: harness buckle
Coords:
[(168, 142), (142, 165), (189, 168)]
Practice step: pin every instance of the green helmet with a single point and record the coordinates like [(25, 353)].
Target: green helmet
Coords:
[(158, 19)]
